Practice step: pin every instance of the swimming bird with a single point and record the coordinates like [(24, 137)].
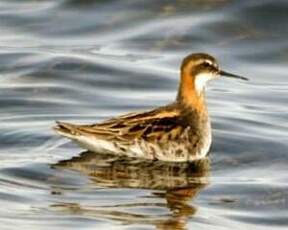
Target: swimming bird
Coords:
[(179, 131)]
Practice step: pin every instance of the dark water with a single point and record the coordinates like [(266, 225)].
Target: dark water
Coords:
[(84, 61)]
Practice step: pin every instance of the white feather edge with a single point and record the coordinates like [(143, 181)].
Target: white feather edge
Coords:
[(102, 146), (92, 144)]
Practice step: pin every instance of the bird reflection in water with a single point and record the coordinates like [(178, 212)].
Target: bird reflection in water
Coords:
[(176, 183)]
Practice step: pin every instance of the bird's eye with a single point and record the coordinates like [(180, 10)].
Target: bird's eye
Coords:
[(206, 64)]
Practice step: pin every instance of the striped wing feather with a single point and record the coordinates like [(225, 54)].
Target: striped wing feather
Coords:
[(151, 126)]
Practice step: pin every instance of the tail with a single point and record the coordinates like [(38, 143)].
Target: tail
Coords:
[(66, 129), (92, 143)]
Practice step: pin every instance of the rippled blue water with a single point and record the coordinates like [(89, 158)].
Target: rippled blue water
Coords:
[(84, 61)]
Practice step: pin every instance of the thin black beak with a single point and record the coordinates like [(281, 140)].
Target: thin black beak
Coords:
[(226, 74)]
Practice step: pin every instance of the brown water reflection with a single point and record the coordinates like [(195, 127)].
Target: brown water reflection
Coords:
[(175, 183)]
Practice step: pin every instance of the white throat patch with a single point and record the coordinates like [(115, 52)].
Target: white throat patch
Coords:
[(201, 81)]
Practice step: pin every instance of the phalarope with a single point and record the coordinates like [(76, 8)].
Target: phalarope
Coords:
[(180, 131)]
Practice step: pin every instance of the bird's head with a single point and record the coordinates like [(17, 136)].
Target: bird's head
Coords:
[(202, 68)]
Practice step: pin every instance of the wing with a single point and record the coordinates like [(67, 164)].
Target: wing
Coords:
[(161, 124)]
